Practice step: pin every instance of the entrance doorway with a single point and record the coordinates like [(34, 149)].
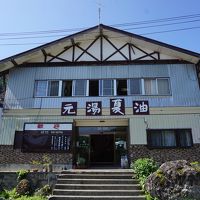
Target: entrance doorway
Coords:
[(102, 149), (101, 146)]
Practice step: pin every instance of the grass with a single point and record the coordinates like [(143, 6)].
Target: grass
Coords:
[(12, 195)]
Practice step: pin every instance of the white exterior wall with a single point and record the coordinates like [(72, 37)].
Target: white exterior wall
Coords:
[(12, 124), (139, 125)]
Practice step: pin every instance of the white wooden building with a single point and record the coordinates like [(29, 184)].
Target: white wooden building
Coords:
[(101, 94)]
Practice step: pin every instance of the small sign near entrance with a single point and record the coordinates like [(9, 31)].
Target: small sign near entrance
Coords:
[(140, 107)]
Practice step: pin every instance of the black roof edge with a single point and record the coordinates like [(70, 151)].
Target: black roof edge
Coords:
[(192, 53), (48, 44), (111, 29)]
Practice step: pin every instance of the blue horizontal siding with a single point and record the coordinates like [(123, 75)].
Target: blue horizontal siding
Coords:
[(184, 84)]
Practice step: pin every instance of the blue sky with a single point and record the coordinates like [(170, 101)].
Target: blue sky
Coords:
[(19, 16)]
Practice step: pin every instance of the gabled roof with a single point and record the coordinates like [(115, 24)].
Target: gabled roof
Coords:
[(90, 34)]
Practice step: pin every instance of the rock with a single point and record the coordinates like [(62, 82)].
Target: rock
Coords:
[(175, 180), (23, 187)]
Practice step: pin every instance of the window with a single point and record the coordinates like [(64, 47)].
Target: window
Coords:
[(80, 88), (106, 87), (156, 86), (163, 86), (150, 86), (46, 88), (135, 86), (122, 87), (169, 138), (41, 88), (53, 88), (93, 88), (67, 88)]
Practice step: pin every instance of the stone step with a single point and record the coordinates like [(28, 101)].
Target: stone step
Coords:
[(97, 181), (99, 186), (139, 197), (88, 171), (95, 176), (97, 192)]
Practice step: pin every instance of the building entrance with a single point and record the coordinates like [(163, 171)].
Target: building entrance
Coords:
[(101, 149), (99, 146)]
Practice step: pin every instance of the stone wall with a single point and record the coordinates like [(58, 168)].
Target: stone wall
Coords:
[(8, 180), (166, 154), (10, 156)]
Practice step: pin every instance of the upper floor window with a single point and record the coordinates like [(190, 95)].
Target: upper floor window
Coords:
[(80, 88), (163, 86), (122, 87), (93, 87), (169, 138), (41, 88), (135, 87), (67, 88), (46, 88), (156, 86), (104, 87), (107, 87), (53, 88)]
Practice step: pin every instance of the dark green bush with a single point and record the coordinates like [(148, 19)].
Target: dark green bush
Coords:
[(22, 174)]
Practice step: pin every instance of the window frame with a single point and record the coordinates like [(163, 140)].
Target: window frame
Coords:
[(62, 83), (98, 87), (129, 87), (74, 88), (35, 88), (169, 86), (101, 88), (49, 88), (156, 86), (177, 138)]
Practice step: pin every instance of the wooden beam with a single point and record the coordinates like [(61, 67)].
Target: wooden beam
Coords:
[(106, 63), (198, 72), (86, 53), (147, 55), (45, 55), (57, 55), (86, 50), (14, 62), (116, 48), (101, 43), (142, 51), (129, 51), (116, 52)]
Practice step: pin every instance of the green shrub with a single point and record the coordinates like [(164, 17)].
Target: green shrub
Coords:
[(143, 167), (9, 194), (4, 194), (22, 174), (31, 198), (44, 191)]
